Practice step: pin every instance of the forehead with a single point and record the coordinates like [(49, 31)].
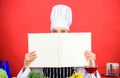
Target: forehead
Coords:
[(59, 28)]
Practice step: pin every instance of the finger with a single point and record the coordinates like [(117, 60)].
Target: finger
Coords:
[(90, 57), (32, 56), (87, 52), (93, 56), (31, 59), (31, 52)]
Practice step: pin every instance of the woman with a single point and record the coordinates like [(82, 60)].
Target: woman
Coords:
[(61, 19)]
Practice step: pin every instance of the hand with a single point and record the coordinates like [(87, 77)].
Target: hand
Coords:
[(90, 55), (30, 56)]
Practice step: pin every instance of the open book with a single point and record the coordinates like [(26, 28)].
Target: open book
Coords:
[(59, 49)]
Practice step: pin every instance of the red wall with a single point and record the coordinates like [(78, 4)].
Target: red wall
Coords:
[(19, 17)]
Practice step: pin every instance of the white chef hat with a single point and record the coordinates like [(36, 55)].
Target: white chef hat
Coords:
[(61, 16)]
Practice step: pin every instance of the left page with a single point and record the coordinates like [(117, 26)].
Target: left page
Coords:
[(46, 47)]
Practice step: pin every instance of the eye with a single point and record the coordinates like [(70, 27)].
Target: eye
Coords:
[(63, 31), (54, 31)]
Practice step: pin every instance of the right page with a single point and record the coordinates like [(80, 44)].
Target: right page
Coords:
[(72, 47)]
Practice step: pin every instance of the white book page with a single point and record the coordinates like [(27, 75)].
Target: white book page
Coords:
[(73, 47), (46, 47)]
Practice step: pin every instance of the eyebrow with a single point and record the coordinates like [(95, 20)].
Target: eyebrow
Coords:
[(60, 30)]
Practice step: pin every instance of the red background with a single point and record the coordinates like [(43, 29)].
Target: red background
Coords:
[(20, 17)]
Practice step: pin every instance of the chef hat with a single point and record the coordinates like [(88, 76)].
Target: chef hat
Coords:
[(61, 16)]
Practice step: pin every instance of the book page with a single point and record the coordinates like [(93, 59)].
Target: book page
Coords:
[(74, 46), (59, 49), (46, 47)]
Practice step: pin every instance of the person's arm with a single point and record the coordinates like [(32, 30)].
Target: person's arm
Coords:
[(23, 74), (30, 56)]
